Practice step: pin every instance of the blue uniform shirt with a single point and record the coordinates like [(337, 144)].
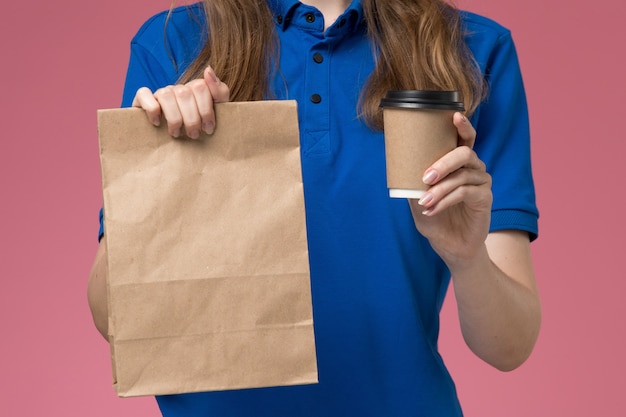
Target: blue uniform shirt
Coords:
[(377, 285)]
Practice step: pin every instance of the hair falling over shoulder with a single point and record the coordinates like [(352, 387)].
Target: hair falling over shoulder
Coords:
[(241, 47), (419, 44)]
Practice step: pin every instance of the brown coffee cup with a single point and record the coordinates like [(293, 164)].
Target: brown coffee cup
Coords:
[(418, 131)]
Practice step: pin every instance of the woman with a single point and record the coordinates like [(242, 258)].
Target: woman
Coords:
[(380, 267)]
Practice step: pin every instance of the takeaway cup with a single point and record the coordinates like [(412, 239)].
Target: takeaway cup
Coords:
[(418, 131)]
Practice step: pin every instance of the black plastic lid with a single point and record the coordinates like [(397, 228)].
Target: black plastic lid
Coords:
[(423, 99)]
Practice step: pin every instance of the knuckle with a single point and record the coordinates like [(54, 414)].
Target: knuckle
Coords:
[(489, 180), (164, 92), (463, 192), (465, 176), (182, 91), (151, 107), (207, 113), (175, 122), (144, 91), (193, 121), (197, 86), (467, 152)]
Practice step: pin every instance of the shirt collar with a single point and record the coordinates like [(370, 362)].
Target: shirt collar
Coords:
[(283, 9)]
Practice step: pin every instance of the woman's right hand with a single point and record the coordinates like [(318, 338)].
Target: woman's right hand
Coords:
[(185, 106)]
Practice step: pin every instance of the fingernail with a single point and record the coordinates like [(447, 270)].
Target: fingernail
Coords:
[(430, 177), (208, 127), (213, 75), (156, 121), (426, 199), (176, 133), (194, 134), (426, 212)]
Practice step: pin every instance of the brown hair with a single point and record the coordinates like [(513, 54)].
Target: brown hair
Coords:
[(419, 44), (241, 47)]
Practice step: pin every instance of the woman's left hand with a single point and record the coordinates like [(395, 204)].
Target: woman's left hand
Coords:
[(454, 214)]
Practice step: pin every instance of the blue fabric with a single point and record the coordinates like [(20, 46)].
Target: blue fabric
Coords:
[(377, 285)]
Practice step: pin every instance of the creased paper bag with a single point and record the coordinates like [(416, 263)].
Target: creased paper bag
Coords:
[(208, 271)]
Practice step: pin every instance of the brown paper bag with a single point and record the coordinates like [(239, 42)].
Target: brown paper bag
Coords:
[(208, 262)]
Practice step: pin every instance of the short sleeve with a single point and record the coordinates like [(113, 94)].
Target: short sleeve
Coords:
[(163, 48), (160, 52), (503, 133)]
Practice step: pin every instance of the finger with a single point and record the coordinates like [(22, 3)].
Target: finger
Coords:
[(166, 97), (204, 103), (460, 157), (219, 91), (188, 108), (459, 179), (467, 133), (473, 195), (145, 100)]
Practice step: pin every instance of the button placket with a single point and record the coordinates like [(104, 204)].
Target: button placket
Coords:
[(318, 58), (316, 121)]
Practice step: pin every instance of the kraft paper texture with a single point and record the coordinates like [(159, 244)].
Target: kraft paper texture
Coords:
[(208, 271), (414, 140)]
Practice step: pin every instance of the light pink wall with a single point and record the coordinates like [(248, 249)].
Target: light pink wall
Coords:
[(572, 57), (61, 62)]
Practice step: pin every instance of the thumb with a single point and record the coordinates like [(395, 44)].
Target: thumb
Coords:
[(219, 91), (467, 133)]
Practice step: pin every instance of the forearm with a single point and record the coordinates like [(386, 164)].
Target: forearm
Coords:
[(499, 310), (97, 291)]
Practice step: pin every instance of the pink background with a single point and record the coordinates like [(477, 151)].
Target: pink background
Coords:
[(62, 61)]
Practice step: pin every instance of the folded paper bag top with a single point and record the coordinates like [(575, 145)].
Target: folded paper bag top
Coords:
[(209, 285)]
